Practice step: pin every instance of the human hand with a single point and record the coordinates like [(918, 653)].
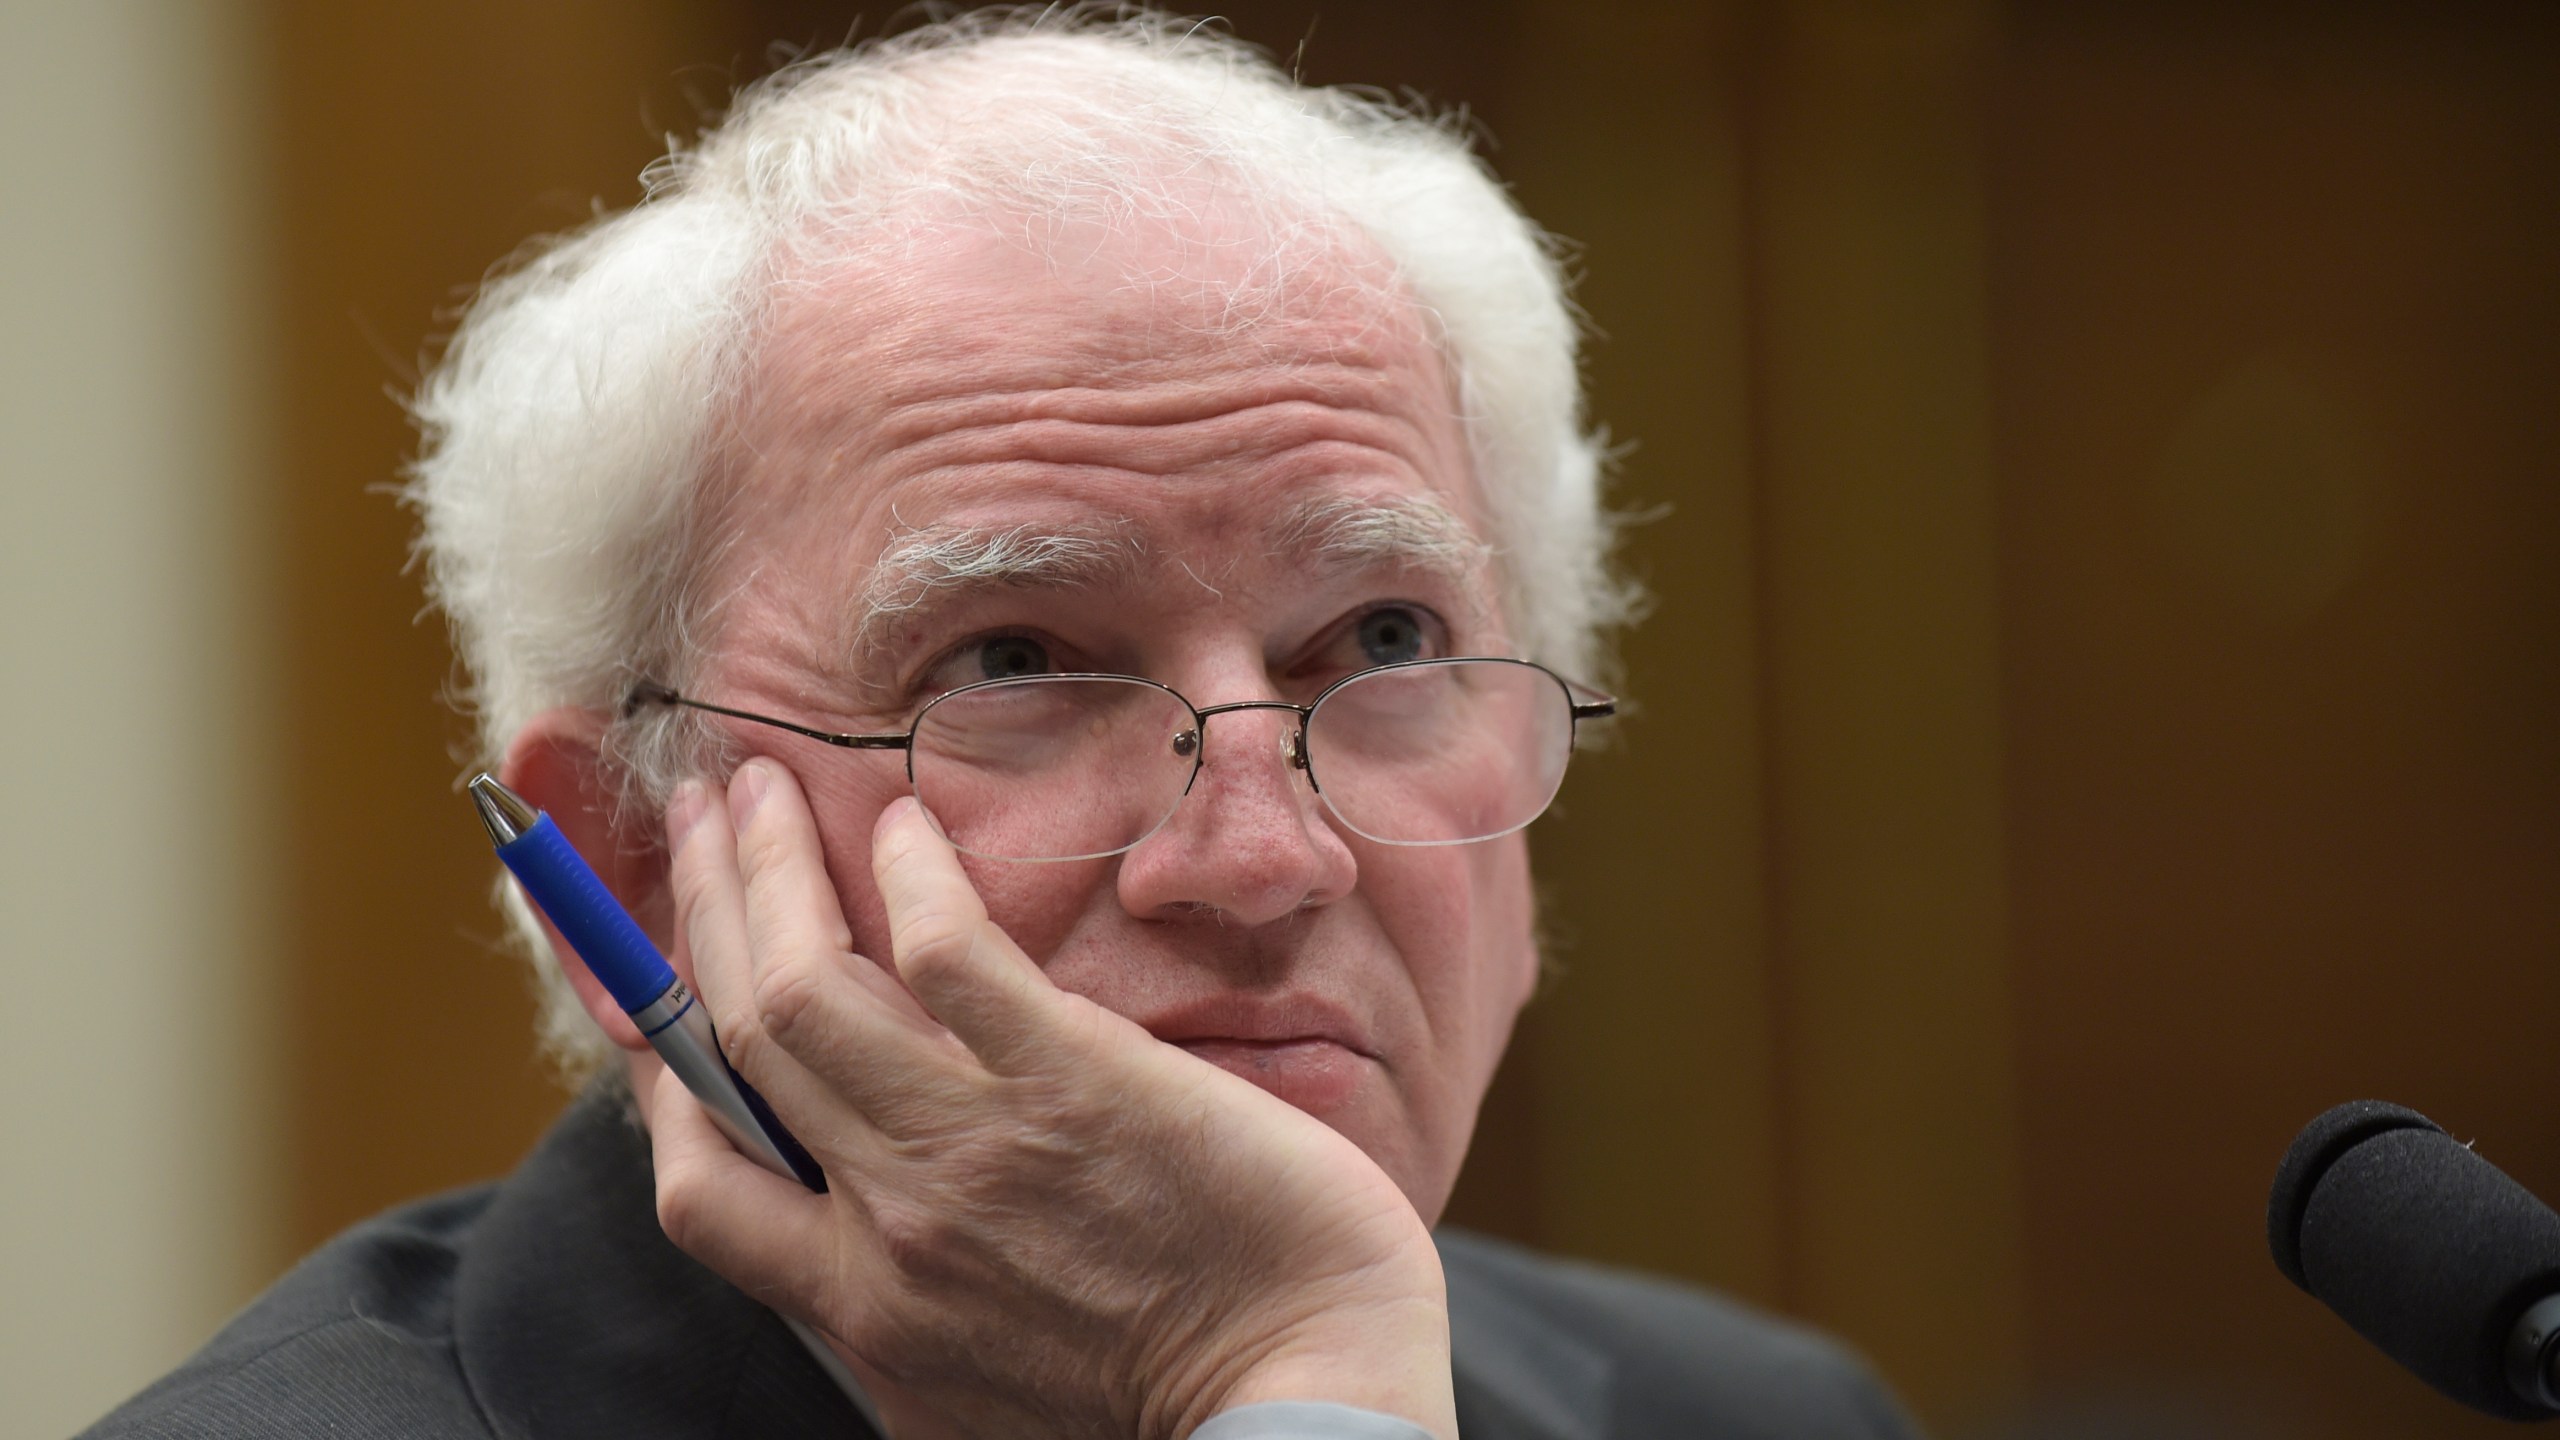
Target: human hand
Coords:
[(1041, 1220)]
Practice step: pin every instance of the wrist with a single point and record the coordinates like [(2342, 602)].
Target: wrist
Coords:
[(1392, 1358), (1307, 1420), (1376, 1337)]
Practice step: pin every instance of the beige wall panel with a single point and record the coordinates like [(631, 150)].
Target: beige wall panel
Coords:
[(135, 1209)]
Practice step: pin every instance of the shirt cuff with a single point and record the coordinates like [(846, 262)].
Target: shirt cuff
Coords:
[(1306, 1420)]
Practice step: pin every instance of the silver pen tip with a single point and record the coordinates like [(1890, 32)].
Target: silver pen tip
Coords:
[(501, 809)]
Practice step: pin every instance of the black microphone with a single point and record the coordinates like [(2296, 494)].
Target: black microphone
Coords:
[(2429, 1251)]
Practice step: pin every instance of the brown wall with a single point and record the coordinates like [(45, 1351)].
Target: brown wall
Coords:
[(2100, 703), (415, 146), (2277, 311)]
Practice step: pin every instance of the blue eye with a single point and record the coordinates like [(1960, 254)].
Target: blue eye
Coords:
[(1007, 657), (1389, 636)]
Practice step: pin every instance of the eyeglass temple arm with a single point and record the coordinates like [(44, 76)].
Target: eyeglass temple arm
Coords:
[(649, 692), (1600, 706)]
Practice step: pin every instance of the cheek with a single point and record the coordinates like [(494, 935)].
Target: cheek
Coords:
[(1507, 905), (1039, 905), (1463, 919), (1035, 904), (1460, 920)]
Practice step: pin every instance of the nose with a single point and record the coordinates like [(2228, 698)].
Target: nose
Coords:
[(1250, 842)]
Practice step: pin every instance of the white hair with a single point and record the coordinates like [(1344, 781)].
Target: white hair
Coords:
[(571, 428)]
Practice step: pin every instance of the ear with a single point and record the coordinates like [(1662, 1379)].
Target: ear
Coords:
[(555, 763)]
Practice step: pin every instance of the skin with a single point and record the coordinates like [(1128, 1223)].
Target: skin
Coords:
[(979, 1049)]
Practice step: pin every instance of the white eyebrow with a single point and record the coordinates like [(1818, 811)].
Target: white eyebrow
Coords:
[(1342, 533), (1337, 534), (940, 561), (949, 557)]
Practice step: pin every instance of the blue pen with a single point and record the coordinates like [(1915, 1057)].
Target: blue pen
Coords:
[(619, 954), (641, 981)]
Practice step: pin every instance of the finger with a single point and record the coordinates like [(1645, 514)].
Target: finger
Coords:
[(791, 903), (968, 972), (766, 1234), (794, 1014), (711, 906)]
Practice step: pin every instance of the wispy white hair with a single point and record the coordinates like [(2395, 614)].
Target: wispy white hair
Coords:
[(572, 426)]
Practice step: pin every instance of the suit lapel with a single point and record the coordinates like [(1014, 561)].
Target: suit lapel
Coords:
[(1518, 1376), (575, 1319)]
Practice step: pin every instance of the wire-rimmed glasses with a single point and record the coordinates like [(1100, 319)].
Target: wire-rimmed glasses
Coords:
[(1078, 767)]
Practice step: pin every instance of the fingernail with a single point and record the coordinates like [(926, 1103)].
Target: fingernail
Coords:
[(746, 789), (684, 810)]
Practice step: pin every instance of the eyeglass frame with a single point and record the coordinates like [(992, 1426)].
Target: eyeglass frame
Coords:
[(1601, 707)]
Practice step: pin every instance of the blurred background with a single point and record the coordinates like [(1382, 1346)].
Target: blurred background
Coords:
[(2102, 707)]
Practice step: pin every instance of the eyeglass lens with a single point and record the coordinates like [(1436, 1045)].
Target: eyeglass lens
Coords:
[(1053, 767), (1441, 754), (1075, 767)]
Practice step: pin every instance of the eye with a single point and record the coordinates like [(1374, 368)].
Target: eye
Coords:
[(1387, 634), (985, 657), (1006, 657), (1390, 635)]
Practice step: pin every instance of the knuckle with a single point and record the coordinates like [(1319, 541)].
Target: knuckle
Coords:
[(894, 851), (933, 944), (920, 1244), (681, 1206), (786, 992), (1086, 1032), (743, 1037), (763, 846), (696, 888), (908, 873)]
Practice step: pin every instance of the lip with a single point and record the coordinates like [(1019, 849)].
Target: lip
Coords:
[(1260, 1019), (1309, 1052)]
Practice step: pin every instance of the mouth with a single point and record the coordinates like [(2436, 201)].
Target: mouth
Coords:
[(1316, 1075), (1308, 1053)]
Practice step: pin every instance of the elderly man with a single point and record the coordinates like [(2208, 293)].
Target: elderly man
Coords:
[(1030, 564)]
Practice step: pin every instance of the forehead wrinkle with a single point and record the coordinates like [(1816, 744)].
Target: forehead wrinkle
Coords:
[(1158, 430), (876, 377), (899, 363)]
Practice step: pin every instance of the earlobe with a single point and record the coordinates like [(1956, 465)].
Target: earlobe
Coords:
[(555, 762)]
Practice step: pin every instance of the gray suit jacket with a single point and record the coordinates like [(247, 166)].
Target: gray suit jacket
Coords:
[(551, 1305)]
